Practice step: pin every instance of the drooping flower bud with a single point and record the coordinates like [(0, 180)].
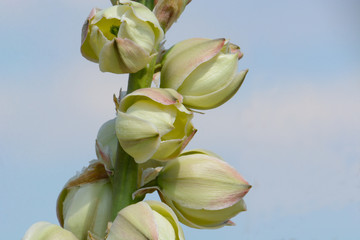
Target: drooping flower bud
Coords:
[(168, 11), (47, 231), (203, 71), (122, 38), (203, 190), (84, 205), (148, 220), (153, 123)]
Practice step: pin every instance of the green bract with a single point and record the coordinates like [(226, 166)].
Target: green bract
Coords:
[(84, 205), (153, 123), (122, 38), (203, 71), (203, 190), (47, 231), (149, 220)]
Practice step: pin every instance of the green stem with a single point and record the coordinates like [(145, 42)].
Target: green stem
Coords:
[(147, 3), (142, 78), (124, 181), (125, 177)]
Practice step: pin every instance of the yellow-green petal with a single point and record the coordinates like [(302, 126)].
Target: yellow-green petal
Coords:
[(218, 97)]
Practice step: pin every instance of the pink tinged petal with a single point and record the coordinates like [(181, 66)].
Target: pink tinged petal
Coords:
[(134, 222), (103, 153), (85, 28), (182, 46), (177, 68), (235, 49), (200, 181), (86, 44), (218, 97), (168, 213), (160, 95), (123, 56), (230, 223)]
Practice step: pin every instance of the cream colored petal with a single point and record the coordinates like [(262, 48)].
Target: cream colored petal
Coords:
[(47, 231), (166, 230), (123, 56), (136, 222), (167, 213), (145, 14), (217, 98), (210, 76), (163, 96), (86, 208), (168, 149), (177, 69), (97, 40), (201, 151), (179, 131), (114, 12), (182, 46), (211, 218), (139, 138), (138, 31), (163, 117), (200, 181)]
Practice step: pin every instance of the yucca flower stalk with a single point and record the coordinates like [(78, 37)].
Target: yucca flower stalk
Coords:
[(141, 150)]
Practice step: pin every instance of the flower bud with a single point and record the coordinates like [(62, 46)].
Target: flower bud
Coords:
[(47, 231), (153, 123), (168, 11), (203, 190), (148, 220), (203, 71), (107, 144), (122, 38), (84, 205)]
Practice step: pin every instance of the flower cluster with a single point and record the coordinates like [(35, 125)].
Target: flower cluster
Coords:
[(141, 150)]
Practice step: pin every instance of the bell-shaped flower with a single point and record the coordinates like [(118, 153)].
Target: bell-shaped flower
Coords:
[(152, 123), (84, 205), (168, 11), (148, 220), (203, 71), (122, 38), (47, 231), (202, 189)]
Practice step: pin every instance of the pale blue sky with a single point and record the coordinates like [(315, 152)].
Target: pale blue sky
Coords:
[(292, 130)]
